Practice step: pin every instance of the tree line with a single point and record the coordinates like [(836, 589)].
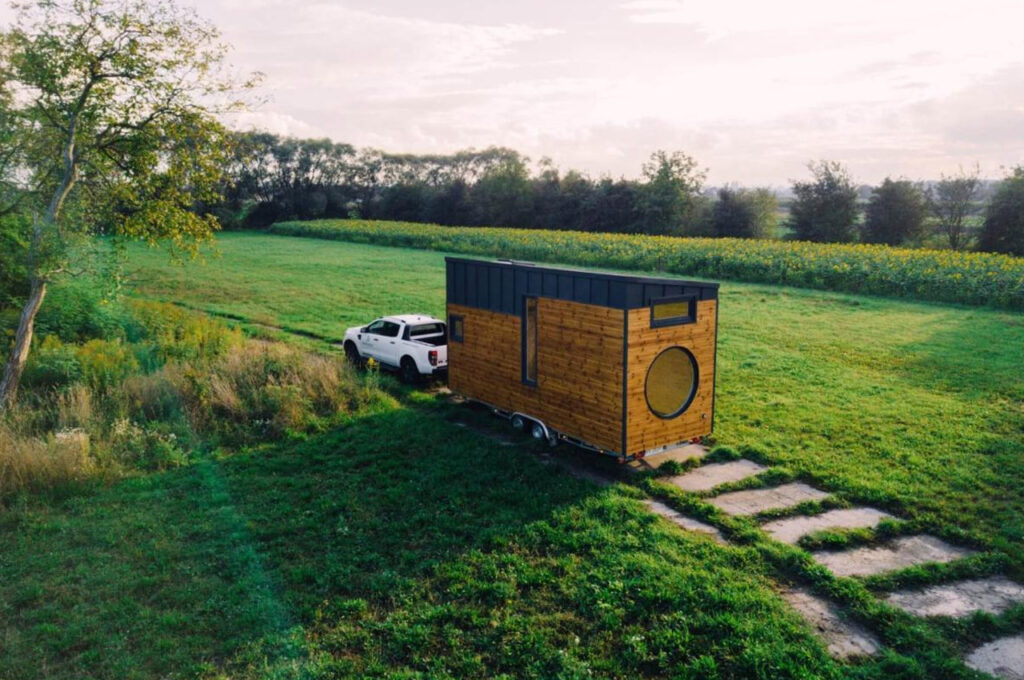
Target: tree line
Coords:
[(273, 178)]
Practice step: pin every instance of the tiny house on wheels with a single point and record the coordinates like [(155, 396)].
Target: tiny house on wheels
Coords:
[(620, 364)]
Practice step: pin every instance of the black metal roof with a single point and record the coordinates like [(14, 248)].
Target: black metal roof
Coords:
[(501, 285)]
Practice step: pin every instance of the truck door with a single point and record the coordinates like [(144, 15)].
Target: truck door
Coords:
[(388, 344), (369, 339)]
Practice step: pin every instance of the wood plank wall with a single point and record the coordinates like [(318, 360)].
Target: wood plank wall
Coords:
[(579, 367), (645, 430)]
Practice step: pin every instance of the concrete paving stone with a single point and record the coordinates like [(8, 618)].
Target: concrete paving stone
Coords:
[(1003, 658), (678, 454), (844, 638), (758, 500), (992, 595), (790, 529), (907, 551), (683, 521), (709, 476)]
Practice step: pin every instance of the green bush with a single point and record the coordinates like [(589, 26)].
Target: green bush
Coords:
[(52, 365)]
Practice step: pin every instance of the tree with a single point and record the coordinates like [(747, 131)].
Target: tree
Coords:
[(116, 105), (501, 196), (895, 214), (825, 209), (744, 213), (951, 201), (1003, 231), (671, 197)]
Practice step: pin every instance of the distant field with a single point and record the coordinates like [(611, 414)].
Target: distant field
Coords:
[(981, 279)]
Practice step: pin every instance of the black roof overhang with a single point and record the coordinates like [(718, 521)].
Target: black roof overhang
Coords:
[(501, 285)]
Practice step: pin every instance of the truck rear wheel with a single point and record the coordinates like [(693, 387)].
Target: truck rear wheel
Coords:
[(409, 372)]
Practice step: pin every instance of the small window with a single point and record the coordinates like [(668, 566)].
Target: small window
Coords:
[(530, 341), (390, 329), (671, 382), (673, 311), (377, 327), (455, 327)]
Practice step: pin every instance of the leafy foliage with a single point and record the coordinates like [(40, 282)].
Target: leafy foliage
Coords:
[(895, 214), (825, 208), (1003, 231), (744, 213), (107, 125), (952, 203)]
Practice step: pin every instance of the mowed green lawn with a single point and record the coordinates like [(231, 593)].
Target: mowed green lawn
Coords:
[(402, 546), (916, 406)]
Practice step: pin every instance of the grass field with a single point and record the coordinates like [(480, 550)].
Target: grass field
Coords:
[(919, 403), (400, 546)]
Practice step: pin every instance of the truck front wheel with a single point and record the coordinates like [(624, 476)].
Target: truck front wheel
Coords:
[(352, 354)]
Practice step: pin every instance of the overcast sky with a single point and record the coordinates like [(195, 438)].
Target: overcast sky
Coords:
[(752, 89)]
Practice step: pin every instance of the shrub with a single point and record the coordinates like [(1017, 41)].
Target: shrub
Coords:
[(105, 363), (149, 447), (164, 332), (51, 366)]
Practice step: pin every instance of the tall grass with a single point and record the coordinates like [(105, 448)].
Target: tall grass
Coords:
[(171, 383)]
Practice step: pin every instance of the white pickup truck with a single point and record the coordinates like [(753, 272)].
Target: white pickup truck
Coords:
[(415, 345)]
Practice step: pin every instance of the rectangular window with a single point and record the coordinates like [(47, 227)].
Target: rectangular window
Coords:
[(530, 341), (455, 327), (673, 311)]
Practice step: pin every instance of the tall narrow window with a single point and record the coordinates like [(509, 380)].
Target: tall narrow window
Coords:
[(530, 341)]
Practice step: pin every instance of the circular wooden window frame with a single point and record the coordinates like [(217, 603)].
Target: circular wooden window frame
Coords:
[(693, 391)]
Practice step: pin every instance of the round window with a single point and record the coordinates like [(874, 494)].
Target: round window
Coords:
[(671, 382)]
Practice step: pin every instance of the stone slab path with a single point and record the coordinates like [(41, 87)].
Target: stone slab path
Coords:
[(706, 477), (758, 500), (991, 595), (1003, 658), (683, 521), (907, 551), (844, 638), (790, 529)]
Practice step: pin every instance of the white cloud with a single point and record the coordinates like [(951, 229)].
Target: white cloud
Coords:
[(753, 89)]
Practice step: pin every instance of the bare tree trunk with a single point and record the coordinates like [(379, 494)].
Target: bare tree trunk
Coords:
[(37, 287), (22, 343)]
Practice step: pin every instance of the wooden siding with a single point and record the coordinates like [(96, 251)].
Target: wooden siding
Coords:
[(579, 367), (644, 430)]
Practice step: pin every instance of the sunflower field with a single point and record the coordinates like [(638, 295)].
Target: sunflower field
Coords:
[(932, 275)]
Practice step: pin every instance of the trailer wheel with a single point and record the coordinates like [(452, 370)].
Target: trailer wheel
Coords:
[(518, 422), (538, 432), (410, 373)]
